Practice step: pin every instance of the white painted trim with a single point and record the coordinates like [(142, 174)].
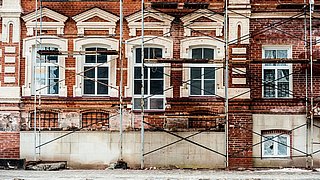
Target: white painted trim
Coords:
[(164, 23), (150, 41), (203, 41), (216, 25), (111, 44), (109, 25), (31, 24)]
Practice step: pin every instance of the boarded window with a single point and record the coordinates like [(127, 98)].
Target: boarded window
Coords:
[(44, 119), (205, 120), (95, 119)]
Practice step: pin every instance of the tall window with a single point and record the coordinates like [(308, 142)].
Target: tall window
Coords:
[(275, 145), (276, 76), (95, 119), (202, 76), (44, 119), (153, 80), (96, 72), (47, 73)]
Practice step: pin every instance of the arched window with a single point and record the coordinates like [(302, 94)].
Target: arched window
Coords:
[(44, 119), (95, 119), (239, 33), (153, 80)]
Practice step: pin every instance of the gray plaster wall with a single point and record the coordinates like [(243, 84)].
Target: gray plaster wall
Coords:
[(98, 149), (298, 140)]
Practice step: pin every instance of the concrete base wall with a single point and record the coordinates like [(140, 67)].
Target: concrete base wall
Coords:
[(298, 139), (99, 149)]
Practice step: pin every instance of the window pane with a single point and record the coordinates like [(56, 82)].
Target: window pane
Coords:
[(138, 55), (53, 86), (209, 87), (137, 73), (51, 59), (283, 89), (282, 148), (270, 54), (138, 85), (158, 53), (156, 103), (137, 103), (283, 75), (209, 73), (102, 87), (208, 53), (89, 72), (156, 72), (195, 73), (269, 84), (102, 72), (90, 58), (102, 58), (195, 87), (89, 86), (197, 53), (282, 54), (156, 87), (53, 72), (268, 146)]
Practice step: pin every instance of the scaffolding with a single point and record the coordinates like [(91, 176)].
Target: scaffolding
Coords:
[(308, 60)]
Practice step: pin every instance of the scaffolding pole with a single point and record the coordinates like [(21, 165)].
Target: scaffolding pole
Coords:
[(142, 84), (306, 80), (121, 81), (311, 5), (226, 81)]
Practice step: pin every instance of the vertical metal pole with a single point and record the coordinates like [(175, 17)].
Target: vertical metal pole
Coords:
[(142, 84), (311, 3), (306, 81), (121, 80), (40, 47), (226, 80), (35, 89)]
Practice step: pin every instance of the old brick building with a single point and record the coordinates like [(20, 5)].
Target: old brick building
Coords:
[(62, 65)]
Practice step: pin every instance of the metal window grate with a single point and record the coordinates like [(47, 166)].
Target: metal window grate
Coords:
[(95, 119), (45, 120)]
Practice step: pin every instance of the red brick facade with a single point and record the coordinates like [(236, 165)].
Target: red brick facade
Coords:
[(246, 88), (10, 145)]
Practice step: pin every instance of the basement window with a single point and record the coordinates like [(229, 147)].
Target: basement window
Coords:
[(44, 119), (275, 144), (95, 120)]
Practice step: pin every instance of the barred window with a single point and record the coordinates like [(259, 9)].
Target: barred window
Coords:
[(95, 119), (45, 119)]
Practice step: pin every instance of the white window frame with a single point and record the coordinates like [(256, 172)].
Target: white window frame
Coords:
[(275, 141), (277, 67), (44, 65), (149, 65), (29, 55), (79, 45), (202, 66), (186, 52), (150, 41), (106, 64)]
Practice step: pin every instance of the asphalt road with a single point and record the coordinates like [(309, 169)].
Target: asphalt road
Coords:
[(156, 174)]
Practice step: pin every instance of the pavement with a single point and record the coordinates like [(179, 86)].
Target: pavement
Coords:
[(158, 174)]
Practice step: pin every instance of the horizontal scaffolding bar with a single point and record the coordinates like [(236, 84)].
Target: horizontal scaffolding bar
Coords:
[(55, 52)]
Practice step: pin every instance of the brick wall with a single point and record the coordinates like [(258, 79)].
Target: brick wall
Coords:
[(10, 145)]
